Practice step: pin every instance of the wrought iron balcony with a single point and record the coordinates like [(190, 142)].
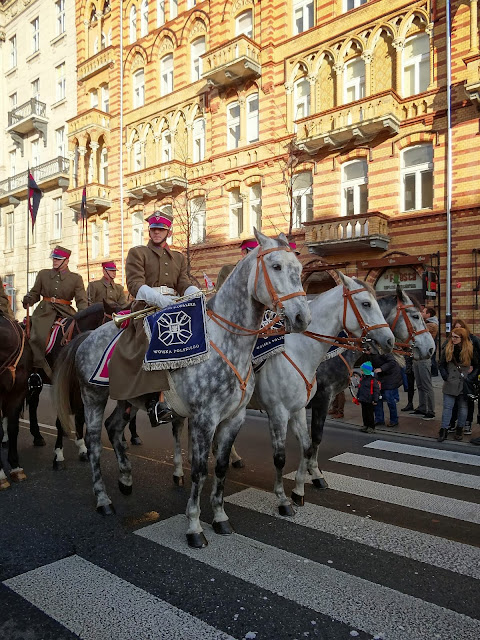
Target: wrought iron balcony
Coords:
[(100, 61), (28, 117), (91, 119), (98, 198), (48, 175), (233, 62), (472, 84), (157, 181), (340, 235)]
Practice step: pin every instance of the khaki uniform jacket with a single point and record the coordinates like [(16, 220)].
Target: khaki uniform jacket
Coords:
[(101, 290), (223, 274), (155, 267), (4, 302), (52, 284)]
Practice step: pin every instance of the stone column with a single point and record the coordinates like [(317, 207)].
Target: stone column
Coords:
[(313, 94), (82, 151), (71, 176), (289, 101), (398, 44), (367, 58), (157, 143), (94, 147), (431, 51), (128, 147), (189, 157), (338, 70), (243, 122)]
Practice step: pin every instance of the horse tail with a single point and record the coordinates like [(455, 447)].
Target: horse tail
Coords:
[(66, 387)]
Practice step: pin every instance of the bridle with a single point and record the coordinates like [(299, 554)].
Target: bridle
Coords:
[(14, 358), (405, 348)]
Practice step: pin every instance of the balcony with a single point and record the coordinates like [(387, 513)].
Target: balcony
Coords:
[(91, 119), (98, 198), (357, 123), (231, 63), (342, 235), (28, 117), (102, 60), (157, 181), (472, 84), (49, 175)]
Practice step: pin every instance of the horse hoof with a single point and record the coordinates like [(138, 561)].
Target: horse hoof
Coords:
[(197, 540), (18, 475), (286, 510), (39, 441), (320, 483), (5, 444), (297, 499), (83, 457), (179, 481), (4, 484), (59, 465), (238, 464), (136, 441), (223, 528), (106, 510), (125, 488)]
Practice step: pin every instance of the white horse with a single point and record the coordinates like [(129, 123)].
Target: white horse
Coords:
[(211, 394)]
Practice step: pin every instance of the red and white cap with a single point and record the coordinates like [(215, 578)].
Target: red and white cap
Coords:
[(109, 266), (160, 220), (60, 253), (293, 247), (249, 245)]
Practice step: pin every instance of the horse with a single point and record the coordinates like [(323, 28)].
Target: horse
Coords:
[(16, 362), (333, 375), (213, 394)]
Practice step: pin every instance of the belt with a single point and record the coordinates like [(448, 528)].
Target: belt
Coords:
[(57, 300), (166, 291)]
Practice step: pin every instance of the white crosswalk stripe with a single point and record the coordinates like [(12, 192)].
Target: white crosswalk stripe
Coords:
[(425, 452)]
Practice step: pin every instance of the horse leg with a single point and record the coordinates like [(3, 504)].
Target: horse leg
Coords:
[(79, 440), (16, 472), (177, 429), (236, 460), (298, 424), (278, 432), (132, 425), (59, 460), (33, 399), (225, 435), (319, 414), (115, 424), (201, 435), (4, 483), (4, 438)]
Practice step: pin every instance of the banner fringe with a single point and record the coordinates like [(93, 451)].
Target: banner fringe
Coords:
[(264, 356), (175, 364)]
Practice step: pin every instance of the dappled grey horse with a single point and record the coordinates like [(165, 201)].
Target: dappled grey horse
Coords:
[(211, 394)]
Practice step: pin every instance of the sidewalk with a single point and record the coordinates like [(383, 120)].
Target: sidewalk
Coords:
[(411, 425)]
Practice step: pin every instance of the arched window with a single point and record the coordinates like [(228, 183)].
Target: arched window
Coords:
[(354, 80), (197, 48), (244, 24), (166, 74), (166, 145), (133, 24), (354, 188), (301, 99), (255, 201), (198, 139), (236, 212), (198, 220), (252, 118), (233, 125), (144, 19), (104, 166), (106, 7), (138, 88), (137, 156), (416, 65), (302, 198), (417, 177), (105, 104)]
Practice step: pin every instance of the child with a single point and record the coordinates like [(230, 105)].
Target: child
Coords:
[(368, 396)]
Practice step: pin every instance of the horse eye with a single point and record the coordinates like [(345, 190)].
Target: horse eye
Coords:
[(366, 304), (277, 267)]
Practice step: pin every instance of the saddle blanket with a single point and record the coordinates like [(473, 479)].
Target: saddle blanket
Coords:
[(271, 345), (101, 376), (178, 335), (59, 324)]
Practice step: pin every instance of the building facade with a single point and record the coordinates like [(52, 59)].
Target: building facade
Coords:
[(327, 121), (38, 96)]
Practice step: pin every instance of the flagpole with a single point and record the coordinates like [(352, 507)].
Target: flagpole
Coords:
[(27, 324), (86, 242)]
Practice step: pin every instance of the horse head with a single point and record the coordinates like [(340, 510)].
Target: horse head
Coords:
[(276, 281), (409, 327), (362, 316)]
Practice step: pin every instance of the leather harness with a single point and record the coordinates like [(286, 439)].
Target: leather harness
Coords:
[(13, 360)]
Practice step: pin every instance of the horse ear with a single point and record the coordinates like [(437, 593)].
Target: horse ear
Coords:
[(261, 238), (343, 277), (283, 239), (400, 295)]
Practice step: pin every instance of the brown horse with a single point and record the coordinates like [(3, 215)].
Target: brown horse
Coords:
[(16, 362)]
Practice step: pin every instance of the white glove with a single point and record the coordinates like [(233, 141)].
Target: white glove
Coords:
[(191, 289), (151, 296)]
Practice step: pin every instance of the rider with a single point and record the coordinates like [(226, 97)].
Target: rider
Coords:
[(5, 307), (106, 289), (154, 273), (58, 286), (226, 270)]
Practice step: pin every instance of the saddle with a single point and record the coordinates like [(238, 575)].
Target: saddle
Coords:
[(64, 325)]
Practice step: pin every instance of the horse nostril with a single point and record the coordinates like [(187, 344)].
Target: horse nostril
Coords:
[(390, 342), (431, 351), (299, 319)]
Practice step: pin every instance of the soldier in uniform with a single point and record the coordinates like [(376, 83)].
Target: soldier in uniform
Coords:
[(106, 289), (226, 270), (154, 274), (5, 307), (294, 248), (57, 286)]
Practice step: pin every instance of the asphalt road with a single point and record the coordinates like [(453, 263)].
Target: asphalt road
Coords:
[(390, 550)]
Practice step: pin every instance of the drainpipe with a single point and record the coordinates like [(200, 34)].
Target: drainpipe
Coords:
[(122, 247), (448, 288)]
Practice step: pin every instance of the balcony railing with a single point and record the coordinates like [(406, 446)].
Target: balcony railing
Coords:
[(46, 175), (338, 235), (98, 198), (29, 109), (235, 61), (91, 118), (157, 180), (95, 64)]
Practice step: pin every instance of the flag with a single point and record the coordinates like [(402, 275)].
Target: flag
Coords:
[(34, 196), (83, 209), (208, 283)]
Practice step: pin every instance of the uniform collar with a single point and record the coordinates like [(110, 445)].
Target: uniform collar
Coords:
[(106, 283), (158, 250), (63, 274)]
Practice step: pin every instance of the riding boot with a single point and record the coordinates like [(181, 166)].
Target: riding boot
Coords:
[(158, 411), (442, 435), (459, 433)]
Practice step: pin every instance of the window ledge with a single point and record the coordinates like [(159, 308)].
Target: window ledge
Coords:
[(10, 71), (58, 38), (58, 104), (34, 55), (9, 251)]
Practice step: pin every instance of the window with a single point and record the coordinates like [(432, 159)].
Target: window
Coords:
[(301, 98), (236, 213), (354, 188), (94, 98), (10, 231), (137, 229), (13, 101), (353, 4), (166, 74), (133, 24), (95, 235), (252, 118), (60, 77), (144, 19), (35, 153), (137, 156), (138, 89), (197, 49), (191, 4), (302, 16), (60, 5), (198, 140), (417, 177), (60, 142), (160, 12), (13, 162), (35, 86), (9, 283), (244, 24), (106, 238), (302, 192), (416, 65), (104, 166), (173, 9), (255, 199), (35, 35), (166, 146), (57, 218), (13, 52), (198, 216), (354, 85), (105, 98), (233, 126)]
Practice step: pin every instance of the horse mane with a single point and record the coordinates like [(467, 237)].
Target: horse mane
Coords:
[(93, 308)]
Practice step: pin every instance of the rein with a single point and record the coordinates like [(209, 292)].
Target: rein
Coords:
[(13, 360), (405, 348)]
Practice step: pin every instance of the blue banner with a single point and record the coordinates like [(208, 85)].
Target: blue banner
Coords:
[(266, 347)]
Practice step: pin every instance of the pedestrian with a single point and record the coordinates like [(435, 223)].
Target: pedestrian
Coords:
[(368, 395), (431, 322), (410, 383), (458, 368), (338, 405), (422, 370), (389, 375)]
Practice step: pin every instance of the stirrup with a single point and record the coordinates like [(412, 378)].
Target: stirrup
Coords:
[(159, 413)]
